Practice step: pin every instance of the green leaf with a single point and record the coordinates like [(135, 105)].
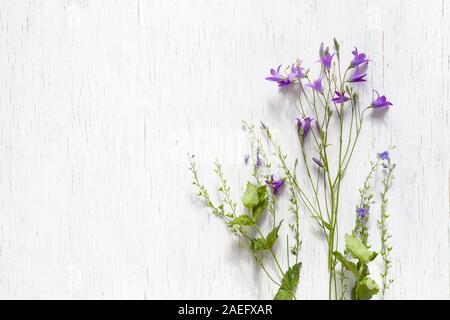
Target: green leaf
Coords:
[(284, 295), (289, 283), (263, 202), (346, 264), (250, 198), (267, 242), (363, 270), (243, 220), (262, 191), (258, 244), (358, 250), (260, 209), (366, 288), (273, 236)]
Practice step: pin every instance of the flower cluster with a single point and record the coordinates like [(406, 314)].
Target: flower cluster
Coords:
[(295, 74), (329, 97), (325, 98)]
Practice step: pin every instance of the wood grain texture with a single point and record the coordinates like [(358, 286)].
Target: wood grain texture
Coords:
[(101, 100)]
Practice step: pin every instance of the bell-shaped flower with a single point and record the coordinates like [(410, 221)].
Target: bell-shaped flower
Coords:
[(359, 74), (303, 125), (278, 78), (340, 97), (358, 58), (316, 85), (275, 184), (380, 102)]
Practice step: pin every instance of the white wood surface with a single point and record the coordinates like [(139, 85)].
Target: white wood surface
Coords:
[(101, 100)]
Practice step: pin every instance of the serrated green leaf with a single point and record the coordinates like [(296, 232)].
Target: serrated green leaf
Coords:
[(273, 236), (250, 198), (363, 270), (289, 283), (258, 244), (366, 289), (262, 191), (346, 264), (243, 220), (263, 202), (267, 242), (358, 250), (284, 295)]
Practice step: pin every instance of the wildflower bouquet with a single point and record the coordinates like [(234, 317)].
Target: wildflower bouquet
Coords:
[(326, 103)]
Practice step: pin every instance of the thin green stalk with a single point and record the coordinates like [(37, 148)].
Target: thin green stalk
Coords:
[(219, 211), (386, 248)]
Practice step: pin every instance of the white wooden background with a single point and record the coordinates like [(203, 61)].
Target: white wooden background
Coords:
[(100, 100)]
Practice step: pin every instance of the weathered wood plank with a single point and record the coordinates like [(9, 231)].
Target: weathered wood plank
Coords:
[(101, 100)]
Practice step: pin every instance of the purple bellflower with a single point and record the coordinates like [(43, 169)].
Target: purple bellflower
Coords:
[(318, 162), (278, 78), (359, 58), (325, 57), (359, 74), (380, 102), (318, 127), (383, 155), (316, 85), (275, 184), (297, 73), (258, 161), (340, 97), (362, 212), (304, 125)]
